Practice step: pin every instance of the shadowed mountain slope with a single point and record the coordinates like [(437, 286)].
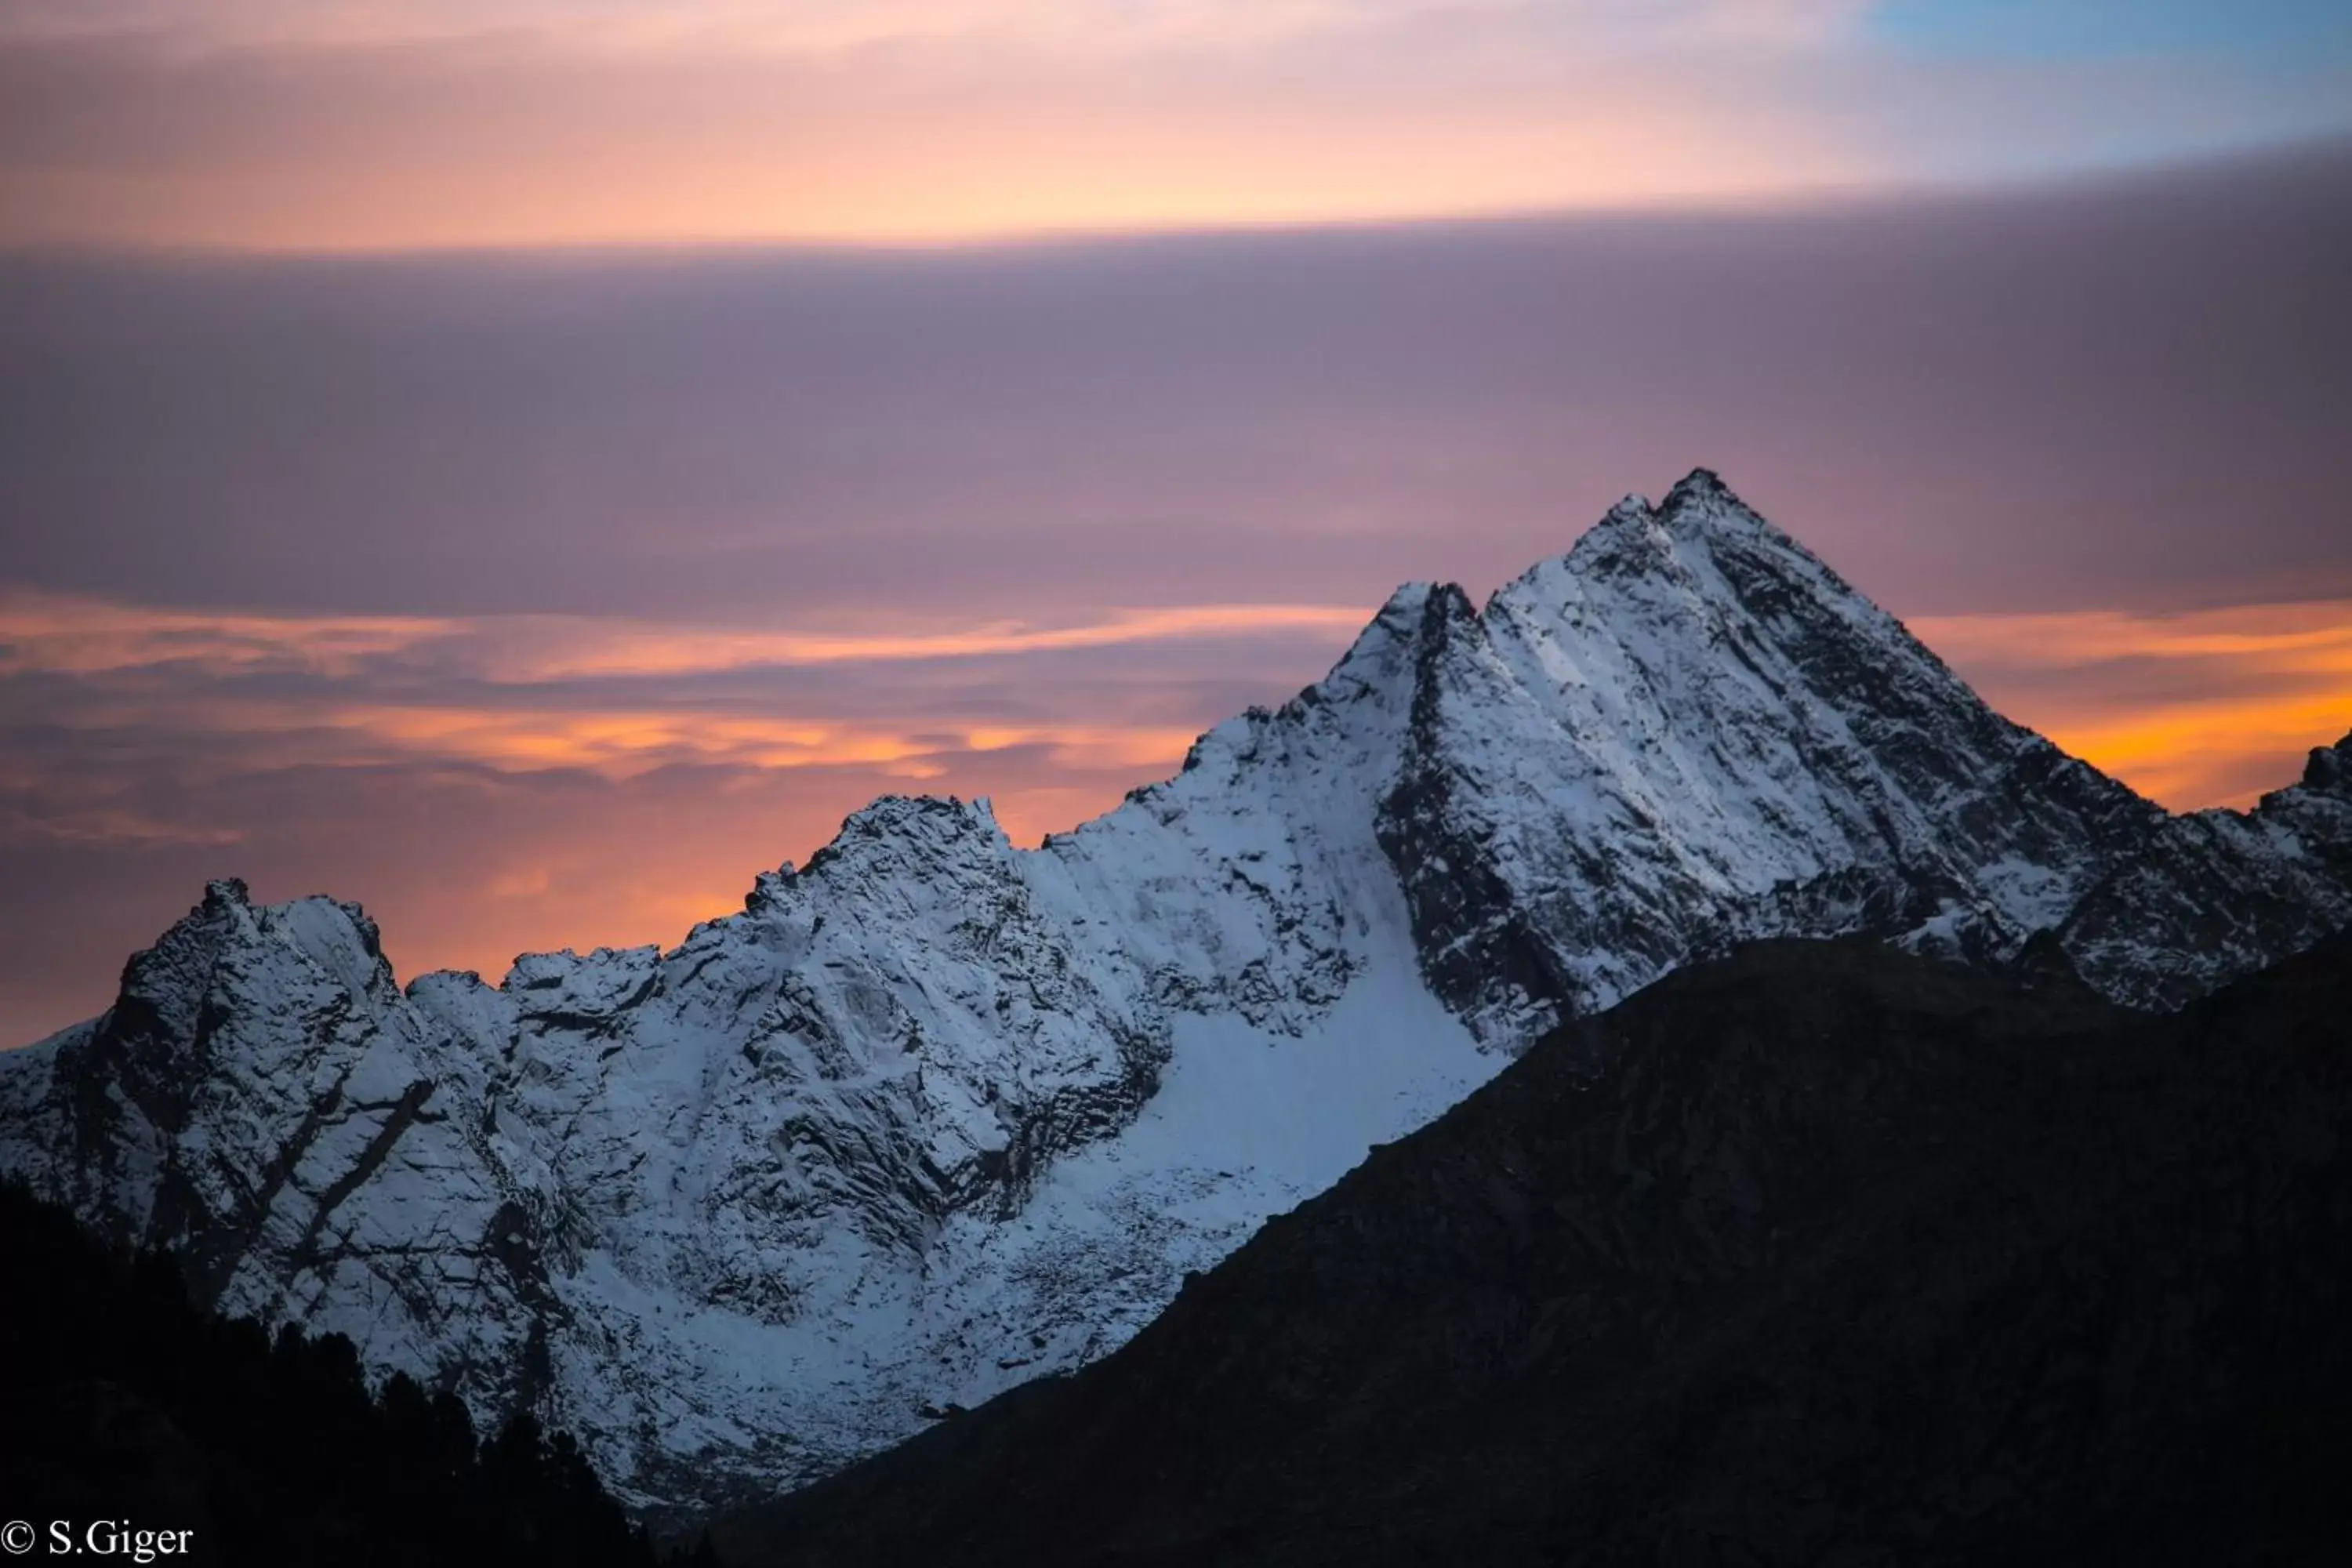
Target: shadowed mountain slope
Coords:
[(934, 1114), (1821, 1253)]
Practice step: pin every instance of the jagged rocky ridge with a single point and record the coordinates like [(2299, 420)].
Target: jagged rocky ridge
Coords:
[(1819, 1254), (934, 1115)]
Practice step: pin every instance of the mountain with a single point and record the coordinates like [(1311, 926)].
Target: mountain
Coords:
[(130, 1415), (1823, 1253), (2216, 894), (934, 1115)]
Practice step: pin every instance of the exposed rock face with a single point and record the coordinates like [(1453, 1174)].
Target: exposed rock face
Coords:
[(934, 1115), (1820, 1254), (2216, 893), (1687, 731)]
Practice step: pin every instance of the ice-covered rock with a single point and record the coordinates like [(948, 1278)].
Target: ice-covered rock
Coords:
[(934, 1114)]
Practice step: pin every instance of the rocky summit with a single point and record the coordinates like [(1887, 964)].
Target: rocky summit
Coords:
[(934, 1115)]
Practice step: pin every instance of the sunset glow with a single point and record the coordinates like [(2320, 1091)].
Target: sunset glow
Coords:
[(2186, 708), (729, 725), (256, 124), (529, 465), (2204, 708), (551, 725)]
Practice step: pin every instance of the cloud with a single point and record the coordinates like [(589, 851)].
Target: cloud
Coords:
[(2207, 708), (521, 140), (541, 599), (623, 697), (494, 783), (557, 649), (2284, 640), (489, 786), (2184, 705), (44, 633), (2127, 392), (64, 635), (282, 126), (826, 25)]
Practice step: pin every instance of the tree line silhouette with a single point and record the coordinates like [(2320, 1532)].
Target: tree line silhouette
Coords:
[(121, 1401)]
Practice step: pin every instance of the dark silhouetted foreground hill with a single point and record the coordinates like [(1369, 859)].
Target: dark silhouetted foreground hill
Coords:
[(1820, 1254), (120, 1402)]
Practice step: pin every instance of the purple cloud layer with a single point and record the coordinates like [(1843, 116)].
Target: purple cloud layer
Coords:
[(484, 589)]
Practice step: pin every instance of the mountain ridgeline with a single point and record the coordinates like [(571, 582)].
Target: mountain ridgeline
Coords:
[(934, 1116), (124, 1403), (1822, 1253)]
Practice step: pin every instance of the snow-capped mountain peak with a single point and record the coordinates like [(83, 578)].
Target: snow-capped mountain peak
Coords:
[(934, 1114)]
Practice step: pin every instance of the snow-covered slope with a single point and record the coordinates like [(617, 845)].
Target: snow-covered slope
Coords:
[(2216, 894), (934, 1114), (1688, 731)]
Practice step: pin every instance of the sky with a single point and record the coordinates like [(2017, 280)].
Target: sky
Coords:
[(401, 124), (529, 465)]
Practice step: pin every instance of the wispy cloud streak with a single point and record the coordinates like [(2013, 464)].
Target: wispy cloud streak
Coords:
[(1126, 691), (2184, 706), (81, 636)]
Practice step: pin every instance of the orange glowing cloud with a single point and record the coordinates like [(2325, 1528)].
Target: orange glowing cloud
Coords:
[(546, 692), (275, 124), (72, 636), (664, 162), (560, 648), (621, 742), (278, 126), (75, 636), (2198, 708), (2208, 708), (496, 785), (829, 27)]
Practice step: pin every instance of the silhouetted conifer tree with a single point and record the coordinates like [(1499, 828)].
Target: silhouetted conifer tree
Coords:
[(118, 1398)]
